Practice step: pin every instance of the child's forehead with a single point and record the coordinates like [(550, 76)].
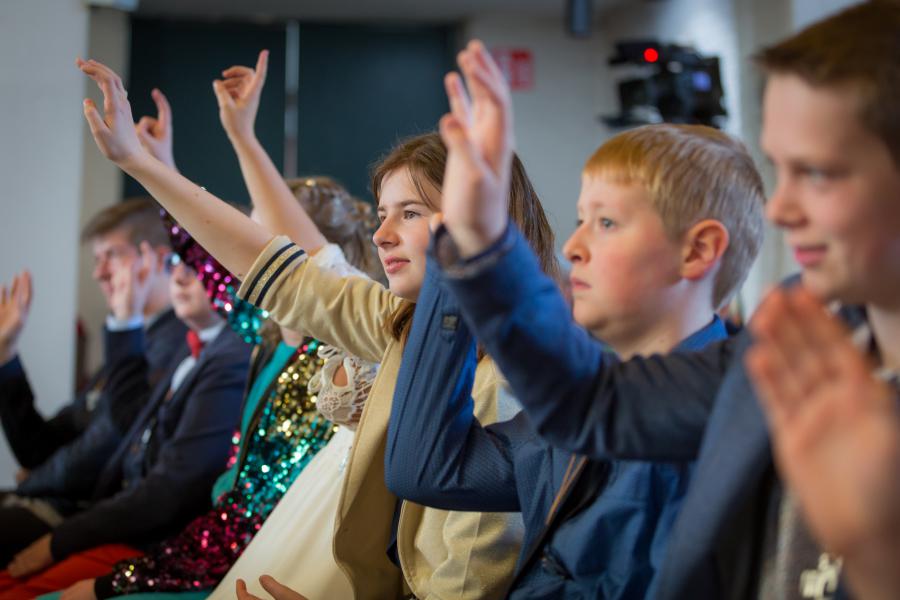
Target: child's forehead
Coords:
[(599, 190)]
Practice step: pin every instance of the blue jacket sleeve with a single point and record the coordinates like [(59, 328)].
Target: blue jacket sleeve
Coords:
[(576, 396), (438, 454), (32, 437)]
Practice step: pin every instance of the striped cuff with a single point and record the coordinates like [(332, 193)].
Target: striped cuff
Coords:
[(277, 260)]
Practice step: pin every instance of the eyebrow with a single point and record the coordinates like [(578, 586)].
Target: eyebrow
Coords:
[(404, 204)]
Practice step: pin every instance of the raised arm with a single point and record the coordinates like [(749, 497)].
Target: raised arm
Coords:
[(238, 97), (575, 395), (438, 454), (233, 238)]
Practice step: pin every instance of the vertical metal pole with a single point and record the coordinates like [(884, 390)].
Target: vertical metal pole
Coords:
[(291, 97)]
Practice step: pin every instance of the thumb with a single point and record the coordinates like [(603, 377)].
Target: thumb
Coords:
[(436, 220)]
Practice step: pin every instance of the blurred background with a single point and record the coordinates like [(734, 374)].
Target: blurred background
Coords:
[(347, 79)]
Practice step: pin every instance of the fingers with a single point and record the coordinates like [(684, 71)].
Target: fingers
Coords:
[(27, 289), (237, 71), (262, 67), (240, 588), (96, 123), (146, 265), (3, 295), (460, 105), (483, 76), (163, 109), (144, 129), (222, 96), (279, 591), (435, 221), (456, 137)]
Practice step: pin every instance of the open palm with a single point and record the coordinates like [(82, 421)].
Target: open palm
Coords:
[(15, 302), (835, 426), (238, 96), (479, 138)]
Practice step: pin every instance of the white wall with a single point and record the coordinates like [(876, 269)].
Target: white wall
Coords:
[(110, 41), (558, 122), (41, 145), (54, 179)]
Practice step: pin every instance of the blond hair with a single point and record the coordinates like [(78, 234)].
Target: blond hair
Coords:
[(693, 173)]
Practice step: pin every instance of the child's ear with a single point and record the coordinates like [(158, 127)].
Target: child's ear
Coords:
[(704, 245)]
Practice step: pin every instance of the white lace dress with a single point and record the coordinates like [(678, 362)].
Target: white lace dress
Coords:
[(295, 543)]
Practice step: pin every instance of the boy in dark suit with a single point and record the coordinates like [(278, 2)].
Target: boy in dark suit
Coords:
[(61, 456), (160, 475)]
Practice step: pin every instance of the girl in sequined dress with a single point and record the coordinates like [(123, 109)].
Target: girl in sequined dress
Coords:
[(293, 409), (430, 552)]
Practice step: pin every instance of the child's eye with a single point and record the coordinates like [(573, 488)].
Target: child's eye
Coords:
[(380, 218), (818, 176), (606, 223), (579, 222), (410, 214)]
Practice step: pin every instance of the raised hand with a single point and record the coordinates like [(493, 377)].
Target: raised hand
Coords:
[(155, 134), (114, 132), (836, 435), (131, 284), (480, 143), (14, 304), (238, 97)]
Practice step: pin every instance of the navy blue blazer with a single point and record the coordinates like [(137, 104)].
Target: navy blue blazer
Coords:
[(133, 359), (593, 529), (179, 442), (678, 407), (35, 440)]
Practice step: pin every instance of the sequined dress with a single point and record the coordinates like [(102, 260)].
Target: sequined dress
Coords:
[(283, 434)]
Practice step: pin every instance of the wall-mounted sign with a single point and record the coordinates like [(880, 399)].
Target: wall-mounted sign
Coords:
[(517, 65)]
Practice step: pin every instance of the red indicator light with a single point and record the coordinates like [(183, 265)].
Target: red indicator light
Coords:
[(651, 55)]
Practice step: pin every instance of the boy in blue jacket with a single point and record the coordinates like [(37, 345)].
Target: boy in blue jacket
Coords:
[(670, 219)]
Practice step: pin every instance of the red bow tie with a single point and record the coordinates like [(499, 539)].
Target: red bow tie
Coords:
[(194, 343)]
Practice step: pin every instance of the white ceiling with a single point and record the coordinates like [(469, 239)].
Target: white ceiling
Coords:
[(358, 10)]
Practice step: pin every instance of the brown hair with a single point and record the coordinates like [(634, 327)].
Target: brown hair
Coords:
[(692, 173), (425, 157), (858, 48), (139, 217)]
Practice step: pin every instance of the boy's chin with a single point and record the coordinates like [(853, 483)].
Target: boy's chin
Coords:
[(823, 287)]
